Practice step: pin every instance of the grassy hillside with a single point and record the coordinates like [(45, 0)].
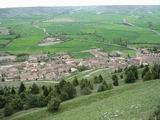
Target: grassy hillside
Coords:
[(128, 102)]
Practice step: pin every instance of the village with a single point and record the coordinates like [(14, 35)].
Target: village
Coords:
[(37, 68)]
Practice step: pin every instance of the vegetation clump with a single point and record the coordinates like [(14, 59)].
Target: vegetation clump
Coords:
[(86, 86), (131, 74), (54, 104), (104, 86), (115, 80)]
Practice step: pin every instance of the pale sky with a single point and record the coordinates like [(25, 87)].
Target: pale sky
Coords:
[(33, 3)]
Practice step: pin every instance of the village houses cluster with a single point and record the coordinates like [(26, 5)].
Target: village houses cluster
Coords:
[(37, 68)]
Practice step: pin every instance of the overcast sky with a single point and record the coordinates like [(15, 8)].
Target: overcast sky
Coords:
[(31, 3)]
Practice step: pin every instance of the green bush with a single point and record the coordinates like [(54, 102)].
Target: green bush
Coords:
[(86, 91), (130, 77), (115, 80), (2, 101), (22, 88), (34, 89), (17, 104), (132, 69), (45, 91), (65, 90), (145, 70), (155, 115), (54, 105), (8, 110), (75, 81), (98, 79), (104, 86), (32, 101), (147, 76)]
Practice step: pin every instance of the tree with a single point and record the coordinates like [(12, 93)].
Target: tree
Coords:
[(133, 69), (17, 104), (101, 88), (42, 101), (8, 110), (104, 86), (22, 88), (32, 101), (115, 80), (145, 70), (2, 101), (100, 78), (130, 77), (156, 71), (75, 81), (65, 90), (13, 90), (156, 114), (54, 105), (121, 76), (147, 76), (45, 91), (86, 91), (34, 89), (85, 87)]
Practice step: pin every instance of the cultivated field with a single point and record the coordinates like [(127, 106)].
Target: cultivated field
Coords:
[(82, 29)]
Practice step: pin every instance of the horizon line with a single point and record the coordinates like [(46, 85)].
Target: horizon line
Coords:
[(78, 6)]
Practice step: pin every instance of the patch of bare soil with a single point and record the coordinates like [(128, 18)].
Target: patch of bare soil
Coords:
[(49, 41), (60, 20), (4, 31)]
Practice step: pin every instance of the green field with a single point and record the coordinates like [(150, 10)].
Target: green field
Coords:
[(84, 29)]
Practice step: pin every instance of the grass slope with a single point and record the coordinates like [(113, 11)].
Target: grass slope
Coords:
[(128, 102)]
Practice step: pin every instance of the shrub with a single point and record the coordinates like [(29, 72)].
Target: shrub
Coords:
[(8, 110), (64, 96), (17, 104), (98, 79), (104, 86), (32, 101), (101, 88), (45, 91), (54, 105), (156, 71), (130, 77), (13, 90), (147, 76), (132, 69), (65, 90), (75, 81), (145, 70), (155, 115), (115, 80), (34, 89), (121, 76), (42, 101), (22, 88), (86, 91), (2, 101)]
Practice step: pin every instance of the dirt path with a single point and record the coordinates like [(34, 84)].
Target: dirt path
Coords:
[(95, 72), (79, 74), (43, 82), (24, 113), (44, 29), (158, 33)]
